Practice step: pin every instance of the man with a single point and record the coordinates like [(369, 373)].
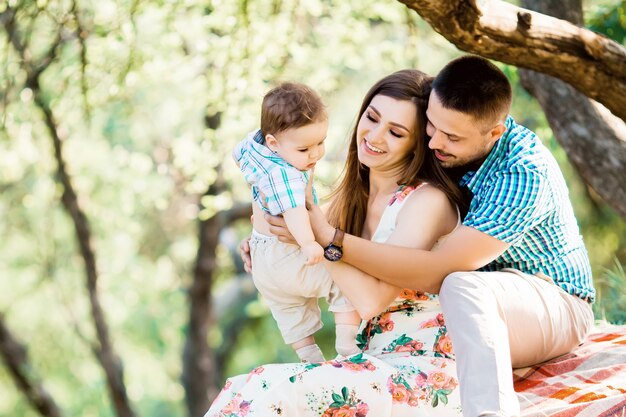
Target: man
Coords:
[(528, 297)]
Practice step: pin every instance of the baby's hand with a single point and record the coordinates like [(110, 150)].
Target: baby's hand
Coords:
[(313, 251)]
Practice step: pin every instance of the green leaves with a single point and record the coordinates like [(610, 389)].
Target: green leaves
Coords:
[(340, 400), (610, 20), (170, 87)]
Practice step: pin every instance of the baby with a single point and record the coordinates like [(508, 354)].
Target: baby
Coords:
[(275, 161)]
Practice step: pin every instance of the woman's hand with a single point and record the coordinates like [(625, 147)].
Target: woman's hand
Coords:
[(244, 250), (278, 227), (322, 230)]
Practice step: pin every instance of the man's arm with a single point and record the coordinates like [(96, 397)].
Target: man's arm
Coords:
[(426, 216), (466, 249)]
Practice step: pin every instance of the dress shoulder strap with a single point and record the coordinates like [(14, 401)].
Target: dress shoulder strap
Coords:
[(404, 191)]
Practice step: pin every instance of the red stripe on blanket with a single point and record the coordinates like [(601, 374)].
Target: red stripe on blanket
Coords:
[(608, 372), (590, 396), (623, 391), (606, 337), (588, 382), (564, 393), (526, 384)]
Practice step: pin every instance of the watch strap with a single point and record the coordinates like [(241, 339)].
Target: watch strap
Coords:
[(338, 238)]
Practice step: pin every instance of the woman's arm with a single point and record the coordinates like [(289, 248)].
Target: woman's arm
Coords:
[(426, 215), (466, 249), (368, 295)]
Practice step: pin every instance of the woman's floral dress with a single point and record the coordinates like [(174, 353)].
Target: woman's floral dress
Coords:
[(407, 366)]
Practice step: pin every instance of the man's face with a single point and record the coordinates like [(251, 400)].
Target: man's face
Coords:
[(456, 138)]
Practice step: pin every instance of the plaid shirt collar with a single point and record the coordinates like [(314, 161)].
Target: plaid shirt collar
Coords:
[(258, 142)]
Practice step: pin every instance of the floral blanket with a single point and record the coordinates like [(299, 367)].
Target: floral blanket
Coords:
[(588, 382)]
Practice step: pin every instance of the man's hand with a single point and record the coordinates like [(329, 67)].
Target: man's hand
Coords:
[(313, 252), (244, 250)]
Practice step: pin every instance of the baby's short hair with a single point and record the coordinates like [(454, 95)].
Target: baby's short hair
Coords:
[(290, 105)]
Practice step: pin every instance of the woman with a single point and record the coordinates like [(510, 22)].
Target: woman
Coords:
[(392, 191)]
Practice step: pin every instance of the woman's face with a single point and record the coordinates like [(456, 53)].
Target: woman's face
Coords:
[(385, 134)]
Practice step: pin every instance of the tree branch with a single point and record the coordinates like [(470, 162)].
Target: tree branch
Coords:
[(237, 212), (594, 139), (228, 312), (596, 148), (590, 62), (16, 360), (48, 57), (103, 351), (81, 35), (199, 366)]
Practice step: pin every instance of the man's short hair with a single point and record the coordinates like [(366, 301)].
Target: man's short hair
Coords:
[(290, 105), (474, 86)]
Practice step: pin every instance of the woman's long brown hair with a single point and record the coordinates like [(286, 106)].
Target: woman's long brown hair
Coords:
[(348, 206)]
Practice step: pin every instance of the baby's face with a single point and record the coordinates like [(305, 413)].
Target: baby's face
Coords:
[(302, 146)]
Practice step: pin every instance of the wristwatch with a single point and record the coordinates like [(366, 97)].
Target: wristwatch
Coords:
[(333, 252)]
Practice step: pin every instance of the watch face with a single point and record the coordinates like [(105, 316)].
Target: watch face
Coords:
[(333, 253)]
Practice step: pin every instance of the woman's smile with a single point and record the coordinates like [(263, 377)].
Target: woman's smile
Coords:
[(371, 149)]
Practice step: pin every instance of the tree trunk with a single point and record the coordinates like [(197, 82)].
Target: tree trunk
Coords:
[(498, 30), (594, 139), (201, 371), (199, 366), (16, 360), (103, 349)]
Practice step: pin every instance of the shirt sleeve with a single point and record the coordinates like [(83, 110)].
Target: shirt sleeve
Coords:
[(238, 151), (513, 203), (284, 188)]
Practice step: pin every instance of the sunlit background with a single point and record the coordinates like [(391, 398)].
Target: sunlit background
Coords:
[(148, 97)]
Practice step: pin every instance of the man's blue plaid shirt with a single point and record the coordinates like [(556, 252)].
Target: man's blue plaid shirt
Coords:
[(520, 197)]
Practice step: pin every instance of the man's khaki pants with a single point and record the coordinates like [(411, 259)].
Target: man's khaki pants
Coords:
[(506, 319)]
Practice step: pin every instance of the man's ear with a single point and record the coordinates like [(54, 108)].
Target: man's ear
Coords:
[(271, 142), (497, 131)]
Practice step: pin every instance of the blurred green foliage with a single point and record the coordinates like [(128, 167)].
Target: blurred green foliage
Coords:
[(148, 119), (609, 19), (611, 294)]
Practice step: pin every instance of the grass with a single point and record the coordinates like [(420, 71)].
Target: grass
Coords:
[(610, 305)]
